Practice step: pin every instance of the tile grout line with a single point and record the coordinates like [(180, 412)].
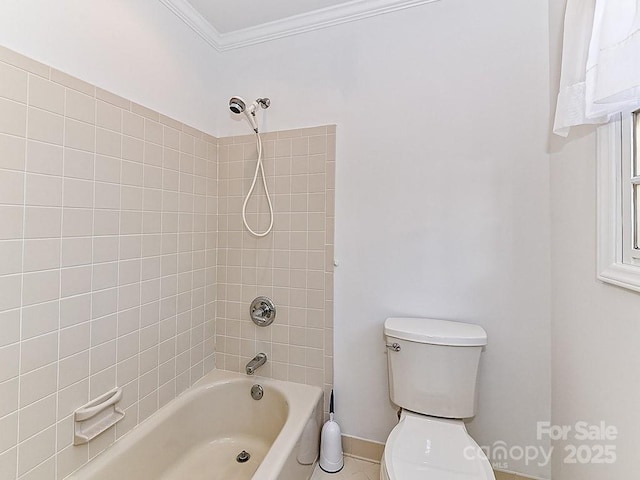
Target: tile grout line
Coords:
[(24, 223), (60, 263)]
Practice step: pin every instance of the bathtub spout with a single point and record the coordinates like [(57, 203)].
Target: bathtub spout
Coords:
[(256, 362)]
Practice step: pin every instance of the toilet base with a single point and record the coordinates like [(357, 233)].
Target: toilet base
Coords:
[(422, 447), (384, 475)]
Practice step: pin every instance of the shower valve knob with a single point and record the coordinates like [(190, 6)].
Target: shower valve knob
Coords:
[(262, 311)]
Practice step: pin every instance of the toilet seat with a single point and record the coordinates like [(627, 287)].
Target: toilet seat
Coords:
[(422, 447)]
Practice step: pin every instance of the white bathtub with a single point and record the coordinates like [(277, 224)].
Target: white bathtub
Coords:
[(199, 435)]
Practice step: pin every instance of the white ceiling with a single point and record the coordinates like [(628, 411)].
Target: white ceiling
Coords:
[(229, 24), (231, 15)]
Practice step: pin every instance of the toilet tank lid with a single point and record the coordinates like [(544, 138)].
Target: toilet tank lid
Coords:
[(435, 332)]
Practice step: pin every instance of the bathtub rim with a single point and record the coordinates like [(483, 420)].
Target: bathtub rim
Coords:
[(299, 411)]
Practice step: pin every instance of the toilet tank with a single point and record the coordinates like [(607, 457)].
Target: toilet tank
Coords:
[(433, 368)]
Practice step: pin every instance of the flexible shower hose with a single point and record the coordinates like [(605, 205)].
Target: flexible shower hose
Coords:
[(259, 168)]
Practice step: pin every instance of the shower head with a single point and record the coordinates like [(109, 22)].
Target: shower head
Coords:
[(237, 105)]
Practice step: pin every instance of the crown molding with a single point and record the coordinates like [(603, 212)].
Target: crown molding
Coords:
[(306, 22), (190, 16)]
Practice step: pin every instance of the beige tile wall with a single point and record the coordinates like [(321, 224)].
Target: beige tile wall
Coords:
[(293, 265), (107, 246), (119, 230)]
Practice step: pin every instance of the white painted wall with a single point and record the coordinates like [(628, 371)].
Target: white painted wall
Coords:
[(122, 46), (596, 329), (442, 190)]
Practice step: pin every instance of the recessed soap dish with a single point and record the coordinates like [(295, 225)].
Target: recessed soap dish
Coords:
[(95, 417)]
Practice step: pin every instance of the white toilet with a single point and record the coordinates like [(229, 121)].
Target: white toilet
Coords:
[(433, 367)]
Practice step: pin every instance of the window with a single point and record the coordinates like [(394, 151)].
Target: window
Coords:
[(619, 201), (635, 185)]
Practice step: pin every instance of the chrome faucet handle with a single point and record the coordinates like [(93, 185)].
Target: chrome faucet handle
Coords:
[(262, 311)]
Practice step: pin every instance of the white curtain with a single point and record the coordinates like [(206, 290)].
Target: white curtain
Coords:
[(600, 62)]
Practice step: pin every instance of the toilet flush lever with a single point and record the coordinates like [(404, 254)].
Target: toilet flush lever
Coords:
[(394, 346)]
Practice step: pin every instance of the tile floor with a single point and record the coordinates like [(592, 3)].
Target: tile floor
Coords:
[(510, 476), (353, 469)]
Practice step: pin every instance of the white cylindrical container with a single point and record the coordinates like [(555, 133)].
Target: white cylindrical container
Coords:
[(331, 454)]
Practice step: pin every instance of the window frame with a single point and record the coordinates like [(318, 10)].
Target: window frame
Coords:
[(618, 262)]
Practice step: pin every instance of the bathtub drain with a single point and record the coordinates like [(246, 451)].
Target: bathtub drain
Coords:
[(243, 456)]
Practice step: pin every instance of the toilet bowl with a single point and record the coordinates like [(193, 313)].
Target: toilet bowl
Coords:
[(422, 447), (433, 368)]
